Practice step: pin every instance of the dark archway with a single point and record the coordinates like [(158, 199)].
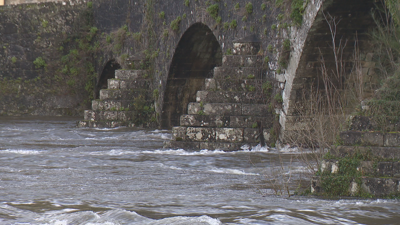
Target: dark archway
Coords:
[(197, 53), (108, 73)]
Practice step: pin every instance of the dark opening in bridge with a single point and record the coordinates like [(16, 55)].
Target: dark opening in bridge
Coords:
[(108, 73), (197, 53)]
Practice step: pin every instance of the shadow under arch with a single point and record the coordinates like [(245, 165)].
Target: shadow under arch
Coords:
[(107, 73), (196, 55)]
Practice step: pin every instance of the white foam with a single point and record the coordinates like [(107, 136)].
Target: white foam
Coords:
[(232, 171), (21, 151)]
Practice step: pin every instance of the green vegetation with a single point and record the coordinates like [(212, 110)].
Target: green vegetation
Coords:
[(40, 63), (298, 7), (161, 15), (263, 6), (249, 8), (187, 2), (175, 24), (213, 10), (14, 59), (233, 24), (237, 6)]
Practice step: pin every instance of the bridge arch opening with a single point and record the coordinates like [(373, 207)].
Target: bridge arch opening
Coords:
[(196, 55), (107, 73)]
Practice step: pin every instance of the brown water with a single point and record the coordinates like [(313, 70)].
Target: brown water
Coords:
[(54, 173)]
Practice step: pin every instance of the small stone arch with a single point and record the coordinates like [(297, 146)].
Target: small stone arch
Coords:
[(107, 73), (353, 21), (196, 55)]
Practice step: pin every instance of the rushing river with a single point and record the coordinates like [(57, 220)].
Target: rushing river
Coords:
[(54, 173)]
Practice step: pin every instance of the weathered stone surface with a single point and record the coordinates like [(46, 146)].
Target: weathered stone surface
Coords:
[(112, 94), (252, 135), (204, 121), (131, 74), (230, 97), (362, 138), (392, 139), (229, 134), (329, 166), (225, 109), (366, 168), (236, 72), (200, 134), (245, 47), (129, 84), (266, 121), (234, 85), (242, 61), (384, 169), (381, 186), (380, 152), (255, 110), (222, 146)]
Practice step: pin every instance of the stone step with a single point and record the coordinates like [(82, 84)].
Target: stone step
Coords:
[(208, 134), (103, 124), (124, 116), (226, 121), (129, 84), (237, 72), (367, 168), (111, 105), (234, 85), (116, 94), (250, 97), (131, 74), (228, 109), (116, 105), (370, 138), (226, 146), (242, 61), (392, 153)]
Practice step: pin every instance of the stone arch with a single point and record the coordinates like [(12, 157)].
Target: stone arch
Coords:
[(354, 21), (108, 72), (196, 54)]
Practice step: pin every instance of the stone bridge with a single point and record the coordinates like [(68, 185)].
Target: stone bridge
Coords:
[(57, 56)]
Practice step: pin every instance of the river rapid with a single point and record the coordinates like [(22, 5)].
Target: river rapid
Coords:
[(54, 173)]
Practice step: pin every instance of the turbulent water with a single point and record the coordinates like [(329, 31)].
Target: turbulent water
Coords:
[(54, 173)]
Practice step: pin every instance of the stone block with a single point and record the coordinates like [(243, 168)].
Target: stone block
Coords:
[(236, 72), (316, 185), (252, 121), (125, 116), (130, 74), (225, 109), (380, 186), (229, 134), (392, 139), (255, 110), (362, 138), (179, 133), (204, 121), (242, 61), (384, 169), (366, 168), (229, 97), (200, 134), (246, 48), (89, 115), (396, 169), (135, 84), (381, 152), (113, 84), (234, 85), (329, 166)]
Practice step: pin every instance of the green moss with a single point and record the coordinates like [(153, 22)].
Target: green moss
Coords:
[(249, 8), (14, 59), (233, 24), (187, 2), (175, 24), (237, 6), (161, 15), (263, 6), (40, 63), (213, 10)]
